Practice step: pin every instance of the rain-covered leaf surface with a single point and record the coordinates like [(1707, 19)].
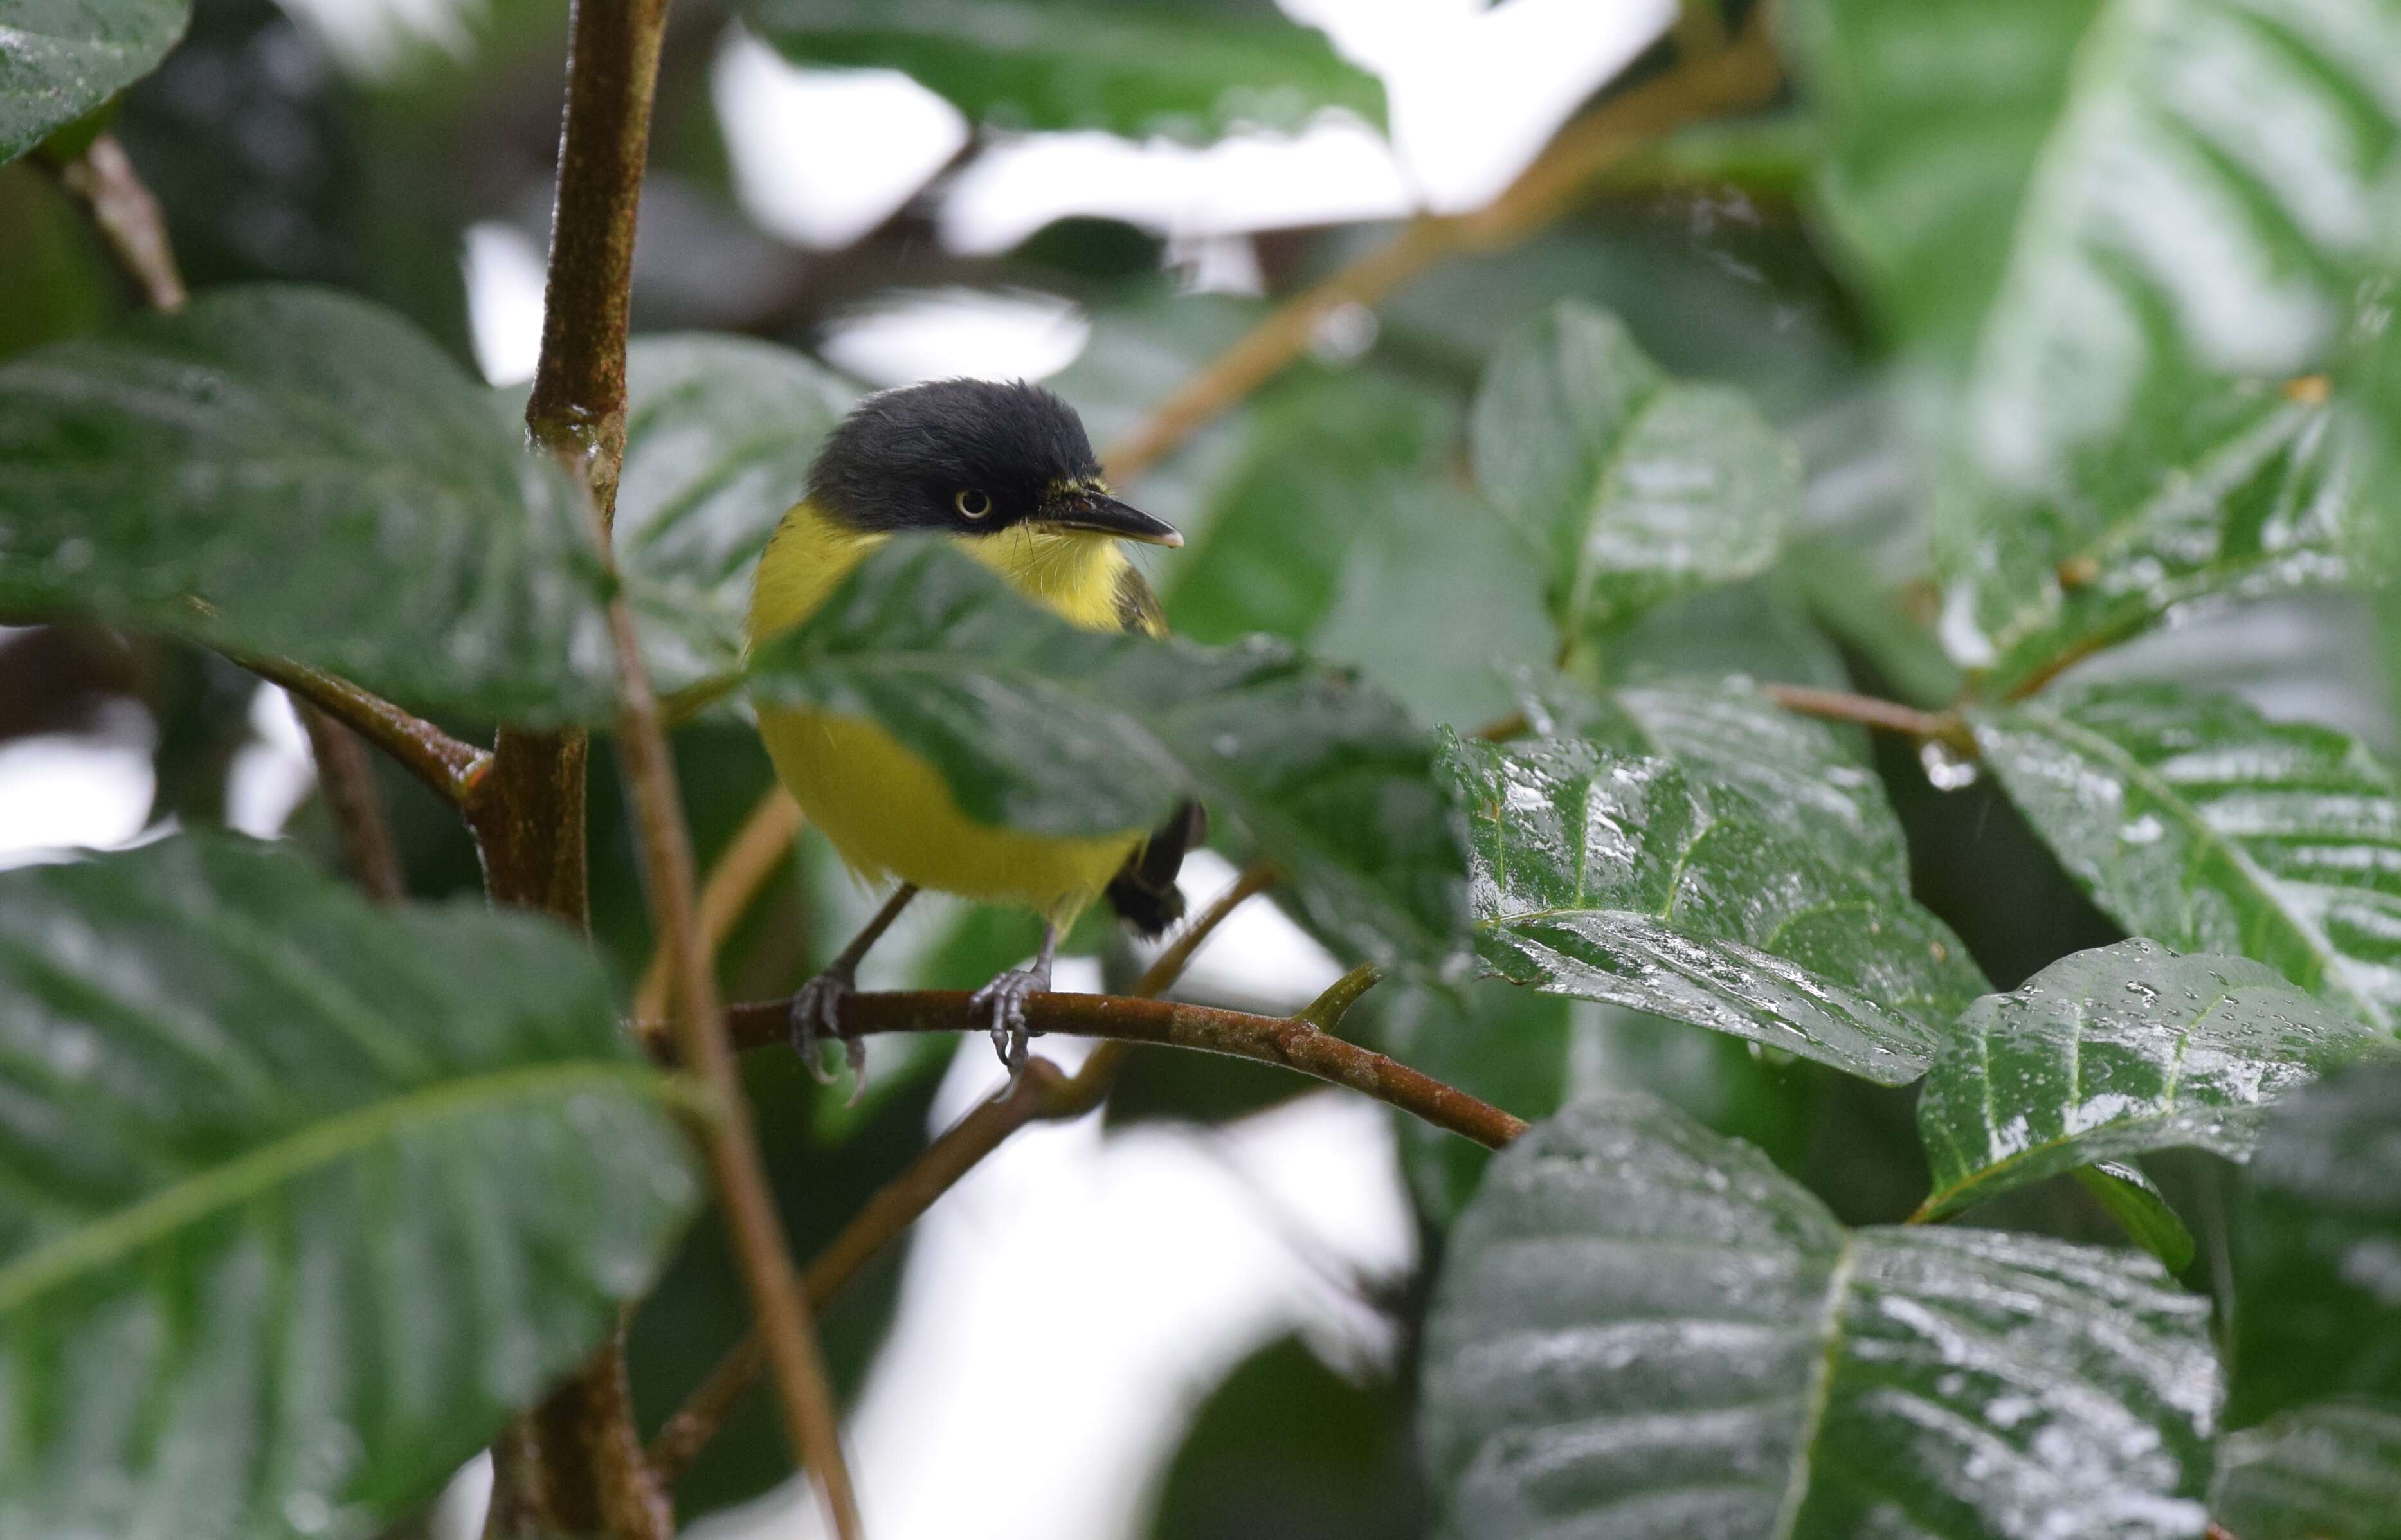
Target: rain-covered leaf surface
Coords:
[(1635, 488), (1036, 725), (1190, 68), (2118, 1051), (2097, 215), (719, 432), (2328, 1471), (2141, 1209), (1727, 734), (60, 59), (299, 1199), (1511, 1047), (2195, 821), (1646, 1332), (326, 482), (2318, 1249), (1630, 880)]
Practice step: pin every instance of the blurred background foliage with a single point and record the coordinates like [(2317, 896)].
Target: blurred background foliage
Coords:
[(401, 155)]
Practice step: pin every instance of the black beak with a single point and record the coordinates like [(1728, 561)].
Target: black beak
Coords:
[(1106, 516)]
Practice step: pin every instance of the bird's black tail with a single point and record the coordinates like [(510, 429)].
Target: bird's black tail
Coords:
[(1143, 891)]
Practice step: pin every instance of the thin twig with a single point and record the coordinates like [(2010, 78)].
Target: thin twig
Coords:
[(743, 867), (453, 770), (778, 1306), (1042, 1092), (1867, 711), (346, 778), (1735, 79), (128, 217)]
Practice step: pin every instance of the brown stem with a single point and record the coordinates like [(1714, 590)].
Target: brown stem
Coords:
[(128, 219), (452, 770), (1867, 711), (743, 867), (779, 1307), (346, 778), (1041, 1093), (1735, 79)]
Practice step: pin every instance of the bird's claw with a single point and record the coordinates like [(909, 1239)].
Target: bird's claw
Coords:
[(816, 1016), (1001, 1005)]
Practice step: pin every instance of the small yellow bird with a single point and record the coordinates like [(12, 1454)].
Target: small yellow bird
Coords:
[(1006, 473)]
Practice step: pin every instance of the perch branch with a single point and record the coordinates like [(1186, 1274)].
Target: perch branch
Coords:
[(1042, 1092), (346, 778)]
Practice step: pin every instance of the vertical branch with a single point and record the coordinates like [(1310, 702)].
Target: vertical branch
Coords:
[(346, 779), (582, 1460), (778, 1302)]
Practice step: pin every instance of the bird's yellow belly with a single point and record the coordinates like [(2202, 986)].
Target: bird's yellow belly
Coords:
[(888, 813)]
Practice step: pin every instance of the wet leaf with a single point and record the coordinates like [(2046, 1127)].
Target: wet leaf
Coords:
[(1731, 737), (719, 432), (2318, 1249), (1636, 489), (2326, 1472), (2117, 1052), (2195, 821), (1190, 68), (328, 483), (1644, 1329), (299, 1199), (60, 59), (1038, 726), (2136, 1203), (1624, 879), (1511, 1047), (2071, 214)]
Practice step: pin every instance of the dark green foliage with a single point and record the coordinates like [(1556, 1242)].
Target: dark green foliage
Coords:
[(60, 59)]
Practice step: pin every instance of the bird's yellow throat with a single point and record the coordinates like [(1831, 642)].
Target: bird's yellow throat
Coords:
[(885, 810)]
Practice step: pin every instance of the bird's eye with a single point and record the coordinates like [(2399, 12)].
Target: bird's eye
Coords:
[(971, 501)]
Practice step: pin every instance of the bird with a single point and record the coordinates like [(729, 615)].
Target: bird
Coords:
[(1004, 472)]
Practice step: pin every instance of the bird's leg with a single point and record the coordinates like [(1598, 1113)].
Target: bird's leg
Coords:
[(817, 1010), (1002, 1002)]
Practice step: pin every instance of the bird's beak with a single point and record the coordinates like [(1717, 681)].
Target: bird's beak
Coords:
[(1103, 515)]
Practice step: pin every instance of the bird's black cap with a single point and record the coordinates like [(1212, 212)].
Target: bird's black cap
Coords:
[(969, 457)]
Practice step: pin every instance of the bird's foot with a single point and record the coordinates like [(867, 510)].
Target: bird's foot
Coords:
[(1000, 1006), (816, 1016)]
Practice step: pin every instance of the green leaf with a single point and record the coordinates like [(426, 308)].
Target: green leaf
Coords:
[(2136, 1203), (1618, 878), (299, 1199), (1733, 738), (329, 486), (1644, 1329), (2326, 1472), (1190, 68), (2117, 1052), (1038, 726), (719, 432), (1501, 1044), (2317, 1305), (2195, 821), (1636, 489), (60, 59)]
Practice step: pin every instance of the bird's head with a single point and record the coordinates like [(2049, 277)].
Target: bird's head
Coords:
[(971, 458)]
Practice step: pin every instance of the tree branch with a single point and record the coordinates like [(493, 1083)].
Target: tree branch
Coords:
[(346, 779), (1042, 1092), (1868, 711), (128, 219), (452, 770)]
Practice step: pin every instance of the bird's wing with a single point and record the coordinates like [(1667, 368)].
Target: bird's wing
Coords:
[(1143, 891)]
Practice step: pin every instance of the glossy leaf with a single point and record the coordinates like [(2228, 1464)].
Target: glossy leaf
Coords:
[(2193, 820), (1511, 1047), (719, 432), (1618, 878), (299, 1199), (1643, 1329), (2326, 1472), (1728, 734), (2318, 1249), (325, 482), (1190, 68), (2115, 1052), (1038, 725), (1635, 488), (2138, 1205), (60, 59)]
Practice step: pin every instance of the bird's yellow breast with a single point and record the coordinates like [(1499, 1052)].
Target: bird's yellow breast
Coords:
[(885, 809)]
